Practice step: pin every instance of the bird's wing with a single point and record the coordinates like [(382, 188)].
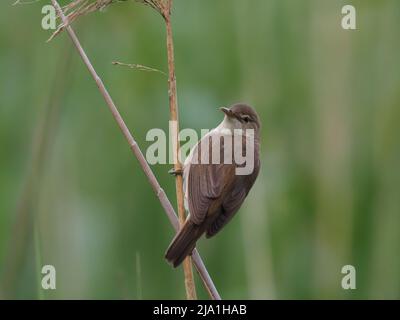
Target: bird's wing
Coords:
[(206, 182), (231, 204), (233, 201)]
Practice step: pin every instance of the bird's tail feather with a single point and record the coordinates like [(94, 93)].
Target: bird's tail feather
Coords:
[(183, 243)]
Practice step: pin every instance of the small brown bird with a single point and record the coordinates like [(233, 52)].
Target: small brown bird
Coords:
[(215, 190)]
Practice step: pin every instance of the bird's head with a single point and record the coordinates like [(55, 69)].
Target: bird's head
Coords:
[(241, 116)]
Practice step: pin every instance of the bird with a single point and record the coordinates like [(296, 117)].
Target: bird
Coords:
[(213, 190)]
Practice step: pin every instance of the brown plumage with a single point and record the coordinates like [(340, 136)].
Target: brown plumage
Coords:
[(214, 191)]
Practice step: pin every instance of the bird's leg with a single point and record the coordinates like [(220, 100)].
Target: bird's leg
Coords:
[(175, 172)]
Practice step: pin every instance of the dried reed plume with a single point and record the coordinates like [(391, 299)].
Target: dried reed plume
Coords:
[(78, 8)]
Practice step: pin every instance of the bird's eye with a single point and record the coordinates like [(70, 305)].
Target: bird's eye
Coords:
[(246, 119)]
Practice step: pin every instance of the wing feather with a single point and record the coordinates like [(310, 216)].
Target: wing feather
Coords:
[(233, 201), (206, 182)]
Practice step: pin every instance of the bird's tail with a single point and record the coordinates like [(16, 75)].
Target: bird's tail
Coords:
[(183, 243)]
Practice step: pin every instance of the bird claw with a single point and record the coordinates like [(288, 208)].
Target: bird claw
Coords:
[(175, 172)]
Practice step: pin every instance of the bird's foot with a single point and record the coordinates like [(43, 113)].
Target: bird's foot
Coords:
[(175, 172)]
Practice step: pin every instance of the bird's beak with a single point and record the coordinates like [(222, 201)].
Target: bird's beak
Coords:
[(227, 111)]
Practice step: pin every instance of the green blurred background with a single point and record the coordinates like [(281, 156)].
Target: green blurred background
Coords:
[(73, 196)]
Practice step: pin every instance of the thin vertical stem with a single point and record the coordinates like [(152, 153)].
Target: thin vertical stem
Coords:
[(26, 208), (174, 117), (38, 258), (138, 277)]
